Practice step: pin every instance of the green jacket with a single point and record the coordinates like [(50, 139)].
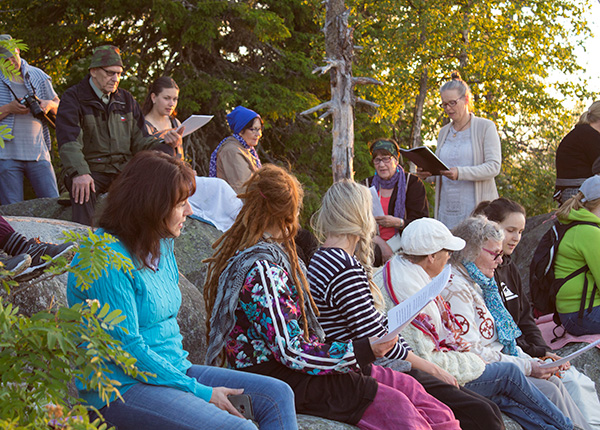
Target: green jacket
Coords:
[(579, 246), (94, 137)]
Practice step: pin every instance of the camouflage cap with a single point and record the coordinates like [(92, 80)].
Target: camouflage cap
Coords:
[(5, 53), (106, 56)]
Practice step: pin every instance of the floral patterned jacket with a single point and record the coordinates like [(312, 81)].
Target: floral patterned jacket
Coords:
[(269, 327)]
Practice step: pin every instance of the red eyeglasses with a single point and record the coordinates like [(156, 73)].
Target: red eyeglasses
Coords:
[(496, 255)]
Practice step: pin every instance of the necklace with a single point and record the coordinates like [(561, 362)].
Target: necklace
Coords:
[(461, 128)]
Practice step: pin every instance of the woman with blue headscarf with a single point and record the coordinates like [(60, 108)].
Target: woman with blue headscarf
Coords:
[(402, 196), (235, 158)]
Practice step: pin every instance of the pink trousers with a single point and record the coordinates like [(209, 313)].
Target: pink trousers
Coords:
[(402, 403)]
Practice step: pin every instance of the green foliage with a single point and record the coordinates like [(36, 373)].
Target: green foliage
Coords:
[(8, 69), (42, 354)]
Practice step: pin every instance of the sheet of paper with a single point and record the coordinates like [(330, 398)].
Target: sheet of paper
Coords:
[(401, 315), (194, 122), (570, 356), (377, 209)]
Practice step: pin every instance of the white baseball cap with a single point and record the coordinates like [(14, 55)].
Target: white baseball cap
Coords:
[(590, 189), (426, 236)]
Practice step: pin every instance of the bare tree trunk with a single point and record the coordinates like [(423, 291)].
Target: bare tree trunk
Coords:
[(415, 132), (340, 51)]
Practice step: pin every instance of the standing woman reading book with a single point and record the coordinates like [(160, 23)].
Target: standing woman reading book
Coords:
[(471, 146), (262, 319), (159, 108), (145, 210), (402, 196)]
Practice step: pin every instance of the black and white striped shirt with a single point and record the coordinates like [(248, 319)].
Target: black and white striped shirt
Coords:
[(340, 288)]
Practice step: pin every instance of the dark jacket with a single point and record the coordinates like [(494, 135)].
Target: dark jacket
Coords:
[(416, 204), (94, 137), (516, 301), (577, 152)]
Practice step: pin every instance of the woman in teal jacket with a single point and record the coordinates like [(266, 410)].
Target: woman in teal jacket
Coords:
[(580, 246)]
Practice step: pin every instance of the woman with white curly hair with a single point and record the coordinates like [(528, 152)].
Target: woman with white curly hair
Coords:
[(474, 299)]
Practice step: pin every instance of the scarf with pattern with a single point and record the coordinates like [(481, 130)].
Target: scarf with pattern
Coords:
[(506, 327), (212, 170)]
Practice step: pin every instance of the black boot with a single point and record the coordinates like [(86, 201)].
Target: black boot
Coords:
[(19, 244), (15, 265)]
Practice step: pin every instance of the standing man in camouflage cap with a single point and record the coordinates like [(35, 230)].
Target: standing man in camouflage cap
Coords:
[(28, 152), (99, 128)]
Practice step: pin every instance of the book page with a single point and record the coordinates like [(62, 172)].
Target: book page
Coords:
[(569, 357), (377, 209), (193, 123), (401, 315)]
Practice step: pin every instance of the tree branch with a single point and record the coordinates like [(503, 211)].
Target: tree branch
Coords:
[(325, 105), (367, 102), (365, 81), (330, 63)]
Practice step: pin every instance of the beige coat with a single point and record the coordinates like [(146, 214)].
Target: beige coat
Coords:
[(487, 154), (235, 164)]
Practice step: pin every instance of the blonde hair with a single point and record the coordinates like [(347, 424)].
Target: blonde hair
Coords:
[(456, 83), (591, 115), (346, 210), (575, 203)]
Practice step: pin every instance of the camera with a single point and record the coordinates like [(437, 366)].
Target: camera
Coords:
[(33, 103)]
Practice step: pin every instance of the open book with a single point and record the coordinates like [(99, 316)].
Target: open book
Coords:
[(194, 122), (401, 315), (425, 159)]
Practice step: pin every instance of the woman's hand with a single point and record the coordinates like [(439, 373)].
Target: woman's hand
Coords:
[(565, 366), (380, 349), (386, 251), (422, 174), (389, 221), (451, 174), (220, 400), (541, 373)]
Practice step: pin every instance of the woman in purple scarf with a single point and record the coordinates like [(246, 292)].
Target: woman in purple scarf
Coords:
[(402, 196)]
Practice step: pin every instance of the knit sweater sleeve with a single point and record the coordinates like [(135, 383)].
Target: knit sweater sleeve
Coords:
[(464, 366), (118, 290), (269, 304), (489, 141)]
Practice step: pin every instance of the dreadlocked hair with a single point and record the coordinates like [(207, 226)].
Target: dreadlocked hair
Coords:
[(272, 200)]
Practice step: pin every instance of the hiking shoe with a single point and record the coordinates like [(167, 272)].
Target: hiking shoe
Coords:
[(37, 250), (16, 265)]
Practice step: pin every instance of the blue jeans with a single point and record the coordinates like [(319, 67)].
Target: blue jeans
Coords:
[(158, 407), (40, 174), (506, 385), (590, 324)]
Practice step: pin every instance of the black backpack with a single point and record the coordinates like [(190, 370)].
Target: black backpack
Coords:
[(542, 283)]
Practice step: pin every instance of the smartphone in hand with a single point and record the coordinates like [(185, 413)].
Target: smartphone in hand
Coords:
[(243, 404)]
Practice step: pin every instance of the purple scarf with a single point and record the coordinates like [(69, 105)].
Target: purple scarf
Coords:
[(212, 168), (399, 181)]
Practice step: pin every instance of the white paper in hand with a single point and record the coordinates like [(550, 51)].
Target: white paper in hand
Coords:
[(401, 315), (377, 209), (569, 357), (193, 123)]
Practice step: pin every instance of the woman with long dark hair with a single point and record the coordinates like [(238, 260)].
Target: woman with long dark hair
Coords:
[(145, 210), (263, 320)]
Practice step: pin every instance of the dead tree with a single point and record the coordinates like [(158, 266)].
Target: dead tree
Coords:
[(339, 51)]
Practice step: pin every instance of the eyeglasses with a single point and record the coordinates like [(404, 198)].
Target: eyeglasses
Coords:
[(496, 255), (384, 160), (110, 73), (255, 130), (451, 103)]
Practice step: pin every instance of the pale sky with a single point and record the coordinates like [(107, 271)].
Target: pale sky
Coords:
[(590, 58)]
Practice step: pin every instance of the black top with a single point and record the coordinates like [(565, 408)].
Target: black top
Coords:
[(577, 152), (516, 301), (416, 204)]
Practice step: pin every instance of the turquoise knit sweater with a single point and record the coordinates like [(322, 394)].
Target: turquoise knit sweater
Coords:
[(150, 300)]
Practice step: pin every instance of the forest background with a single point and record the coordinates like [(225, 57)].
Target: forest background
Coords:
[(517, 56)]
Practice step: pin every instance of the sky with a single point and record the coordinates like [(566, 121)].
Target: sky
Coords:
[(590, 58)]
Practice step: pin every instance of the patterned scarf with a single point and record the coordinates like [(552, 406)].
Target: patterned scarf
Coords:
[(212, 170), (231, 282), (506, 327), (399, 179)]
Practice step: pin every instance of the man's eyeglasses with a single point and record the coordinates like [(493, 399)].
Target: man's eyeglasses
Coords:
[(496, 255), (385, 160), (110, 73), (255, 130), (451, 103)]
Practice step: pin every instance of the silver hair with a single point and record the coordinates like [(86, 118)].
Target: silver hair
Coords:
[(475, 231)]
